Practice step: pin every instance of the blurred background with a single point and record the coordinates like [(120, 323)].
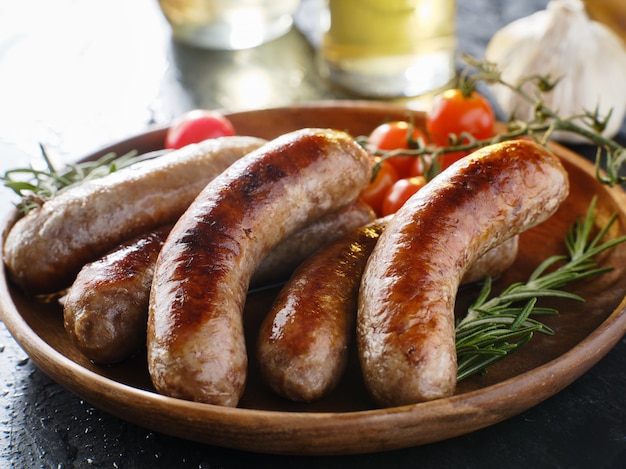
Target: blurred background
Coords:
[(75, 75)]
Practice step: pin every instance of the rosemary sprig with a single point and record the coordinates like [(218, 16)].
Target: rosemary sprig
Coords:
[(610, 155), (35, 186), (588, 124), (495, 327)]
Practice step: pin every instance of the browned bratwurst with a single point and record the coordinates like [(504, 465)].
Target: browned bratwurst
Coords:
[(405, 322), (45, 249), (196, 347), (280, 263), (106, 308), (303, 342), (105, 311)]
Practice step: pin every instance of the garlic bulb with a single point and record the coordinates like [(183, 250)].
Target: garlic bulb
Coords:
[(563, 42)]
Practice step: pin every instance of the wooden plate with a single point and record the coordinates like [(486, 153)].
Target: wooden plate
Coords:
[(347, 421)]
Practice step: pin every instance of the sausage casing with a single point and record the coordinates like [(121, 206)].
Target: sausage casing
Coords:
[(106, 307), (105, 311), (303, 342), (196, 346), (280, 263), (45, 249), (405, 322)]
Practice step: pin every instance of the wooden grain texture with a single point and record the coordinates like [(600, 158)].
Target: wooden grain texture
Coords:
[(347, 422)]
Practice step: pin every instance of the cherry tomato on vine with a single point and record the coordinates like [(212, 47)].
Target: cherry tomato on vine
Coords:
[(446, 159), (400, 192), (420, 166), (394, 136), (195, 126), (454, 113), (375, 192)]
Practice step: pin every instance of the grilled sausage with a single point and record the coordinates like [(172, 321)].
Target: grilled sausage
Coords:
[(105, 311), (303, 342), (45, 249), (405, 322), (196, 347), (492, 263), (106, 308), (283, 259)]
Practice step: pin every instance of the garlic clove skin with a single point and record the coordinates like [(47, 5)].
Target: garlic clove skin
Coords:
[(563, 42)]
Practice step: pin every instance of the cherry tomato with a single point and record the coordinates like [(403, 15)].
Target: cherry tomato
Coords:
[(393, 136), (453, 113), (446, 159), (195, 126), (400, 192), (375, 192), (420, 165)]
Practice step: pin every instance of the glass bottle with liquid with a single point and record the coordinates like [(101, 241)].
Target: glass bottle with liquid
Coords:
[(389, 48), (228, 24)]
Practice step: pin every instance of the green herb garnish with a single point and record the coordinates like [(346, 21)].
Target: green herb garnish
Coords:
[(610, 155), (494, 328), (36, 186)]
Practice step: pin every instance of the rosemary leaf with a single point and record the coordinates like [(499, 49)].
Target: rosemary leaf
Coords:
[(610, 155), (495, 327), (35, 186)]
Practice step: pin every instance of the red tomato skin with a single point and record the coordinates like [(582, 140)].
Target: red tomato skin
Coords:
[(453, 113), (447, 159), (375, 192), (196, 126), (400, 192), (418, 168), (394, 136), (403, 164)]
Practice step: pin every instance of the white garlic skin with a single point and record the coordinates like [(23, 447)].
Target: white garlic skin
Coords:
[(562, 42)]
